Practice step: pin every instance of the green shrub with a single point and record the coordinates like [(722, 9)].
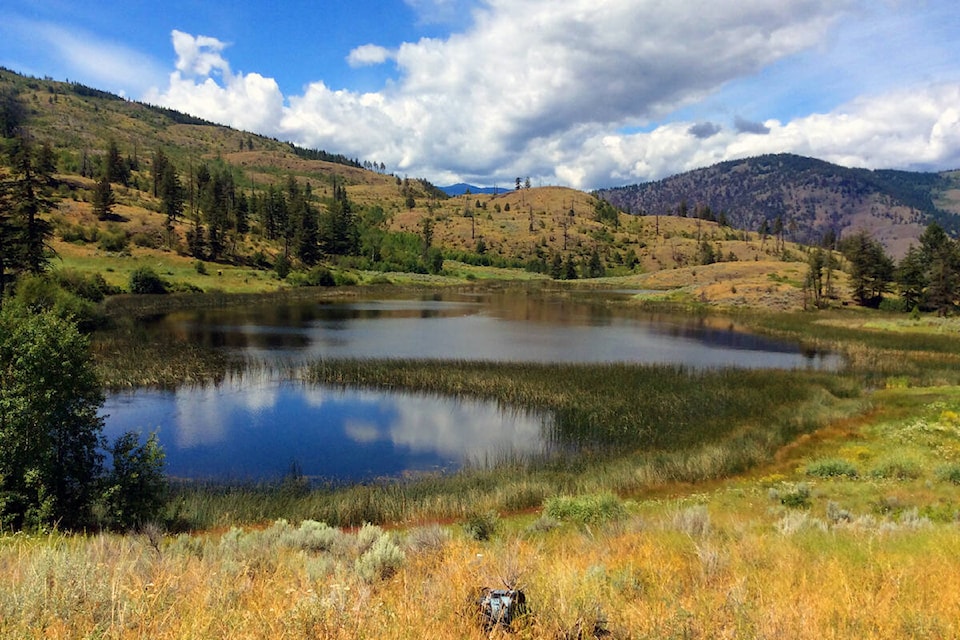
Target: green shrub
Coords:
[(89, 287), (585, 510), (368, 534), (113, 241), (319, 277), (313, 536), (147, 240), (146, 281), (380, 561), (282, 266), (136, 488), (793, 496), (343, 279), (949, 473), (898, 468), (481, 525), (831, 468)]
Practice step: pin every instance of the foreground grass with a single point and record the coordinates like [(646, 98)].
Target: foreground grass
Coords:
[(789, 553)]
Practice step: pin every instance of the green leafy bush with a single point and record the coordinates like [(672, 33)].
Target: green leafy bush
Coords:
[(586, 510), (313, 536), (42, 293), (949, 473), (146, 281), (51, 429), (113, 241), (481, 525), (898, 468), (136, 487), (794, 496), (832, 468)]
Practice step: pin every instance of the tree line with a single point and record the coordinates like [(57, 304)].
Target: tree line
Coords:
[(926, 279)]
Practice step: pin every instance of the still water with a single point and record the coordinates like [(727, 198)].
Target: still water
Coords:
[(257, 427)]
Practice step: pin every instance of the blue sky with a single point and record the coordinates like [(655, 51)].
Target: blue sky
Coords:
[(585, 93)]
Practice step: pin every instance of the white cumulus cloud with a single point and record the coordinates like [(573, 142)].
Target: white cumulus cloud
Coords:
[(368, 54), (585, 93)]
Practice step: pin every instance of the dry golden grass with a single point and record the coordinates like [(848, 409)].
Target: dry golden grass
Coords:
[(867, 557), (755, 570)]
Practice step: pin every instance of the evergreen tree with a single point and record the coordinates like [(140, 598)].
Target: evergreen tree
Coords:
[(871, 269), (115, 167), (426, 235), (339, 233), (303, 224), (814, 282), (172, 196), (556, 266), (103, 199), (942, 257), (158, 170), (28, 234), (13, 113), (595, 266), (912, 278)]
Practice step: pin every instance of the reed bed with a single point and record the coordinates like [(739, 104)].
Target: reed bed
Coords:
[(619, 429)]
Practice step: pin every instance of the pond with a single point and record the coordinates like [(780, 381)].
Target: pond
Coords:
[(258, 427)]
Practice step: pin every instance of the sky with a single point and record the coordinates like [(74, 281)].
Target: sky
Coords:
[(579, 93)]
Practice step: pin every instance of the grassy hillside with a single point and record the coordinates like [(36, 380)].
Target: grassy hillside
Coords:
[(527, 229)]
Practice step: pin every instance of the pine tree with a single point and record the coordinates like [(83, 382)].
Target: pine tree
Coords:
[(28, 233), (871, 269), (103, 199)]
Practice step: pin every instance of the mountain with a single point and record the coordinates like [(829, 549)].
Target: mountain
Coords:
[(810, 196), (462, 187)]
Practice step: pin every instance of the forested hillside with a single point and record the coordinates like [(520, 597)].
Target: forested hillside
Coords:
[(808, 197)]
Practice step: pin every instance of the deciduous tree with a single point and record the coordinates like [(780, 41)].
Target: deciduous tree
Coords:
[(50, 430)]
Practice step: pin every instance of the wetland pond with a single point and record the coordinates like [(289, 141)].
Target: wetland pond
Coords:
[(257, 426)]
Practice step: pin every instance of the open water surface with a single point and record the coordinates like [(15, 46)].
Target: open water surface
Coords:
[(258, 427)]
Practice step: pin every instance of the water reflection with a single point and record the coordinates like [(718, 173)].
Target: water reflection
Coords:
[(515, 326), (253, 428)]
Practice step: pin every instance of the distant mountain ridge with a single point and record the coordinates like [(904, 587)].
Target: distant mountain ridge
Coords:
[(810, 196), (462, 187)]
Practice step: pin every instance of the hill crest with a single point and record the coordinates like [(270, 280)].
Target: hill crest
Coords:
[(811, 197)]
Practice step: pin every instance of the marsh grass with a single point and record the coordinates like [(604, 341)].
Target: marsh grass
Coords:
[(605, 440)]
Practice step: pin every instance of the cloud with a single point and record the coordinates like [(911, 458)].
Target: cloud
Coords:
[(368, 54), (441, 11), (704, 130), (102, 63), (743, 125), (546, 89), (199, 55)]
